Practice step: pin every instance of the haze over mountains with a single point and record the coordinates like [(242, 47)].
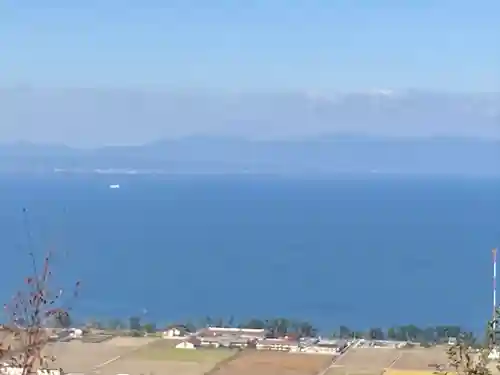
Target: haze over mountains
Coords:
[(378, 131), (91, 117)]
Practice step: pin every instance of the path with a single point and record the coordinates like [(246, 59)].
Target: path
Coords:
[(336, 358), (394, 361), (96, 368)]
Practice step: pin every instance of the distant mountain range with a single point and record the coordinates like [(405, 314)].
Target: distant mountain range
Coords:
[(380, 131), (343, 153), (88, 117)]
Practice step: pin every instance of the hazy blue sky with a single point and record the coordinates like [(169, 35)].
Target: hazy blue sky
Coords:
[(252, 45), (282, 57)]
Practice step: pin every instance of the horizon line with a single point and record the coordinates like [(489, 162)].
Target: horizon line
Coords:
[(234, 138), (387, 91)]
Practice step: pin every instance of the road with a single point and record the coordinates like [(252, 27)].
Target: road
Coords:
[(336, 358)]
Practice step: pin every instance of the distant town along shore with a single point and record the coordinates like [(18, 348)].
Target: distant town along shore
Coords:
[(283, 327), (264, 346)]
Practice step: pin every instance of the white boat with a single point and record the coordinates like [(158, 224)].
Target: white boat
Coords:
[(116, 186)]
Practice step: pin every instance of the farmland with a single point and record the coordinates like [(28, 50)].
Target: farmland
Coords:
[(135, 356), (374, 361), (274, 363)]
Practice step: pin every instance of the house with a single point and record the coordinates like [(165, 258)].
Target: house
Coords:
[(494, 354), (326, 347), (278, 344), (191, 343), (11, 370), (247, 333), (225, 341), (50, 372), (175, 331), (185, 345), (17, 370)]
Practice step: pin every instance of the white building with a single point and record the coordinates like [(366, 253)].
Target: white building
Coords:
[(190, 343), (185, 345), (173, 332), (494, 354), (278, 345), (76, 333), (249, 333), (12, 370), (49, 372)]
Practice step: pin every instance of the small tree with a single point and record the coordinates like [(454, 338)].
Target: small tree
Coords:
[(27, 313), (149, 327), (464, 359)]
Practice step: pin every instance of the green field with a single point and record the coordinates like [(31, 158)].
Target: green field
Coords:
[(159, 353)]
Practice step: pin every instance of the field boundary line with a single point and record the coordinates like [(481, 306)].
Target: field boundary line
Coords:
[(334, 364), (394, 362), (118, 357), (218, 366)]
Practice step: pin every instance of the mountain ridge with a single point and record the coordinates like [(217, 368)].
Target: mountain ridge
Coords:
[(325, 155), (89, 117)]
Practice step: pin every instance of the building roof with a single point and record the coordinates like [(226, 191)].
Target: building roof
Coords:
[(180, 327), (331, 343), (239, 332), (225, 339), (272, 342), (193, 340), (235, 330)]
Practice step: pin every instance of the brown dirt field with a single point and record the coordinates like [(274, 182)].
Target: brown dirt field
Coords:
[(372, 361), (164, 353), (81, 357), (159, 343), (347, 371), (410, 372), (161, 357), (76, 356), (420, 358), (8, 339), (138, 367), (132, 342), (275, 363), (368, 360)]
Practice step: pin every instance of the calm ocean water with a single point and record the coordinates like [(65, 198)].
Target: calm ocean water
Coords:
[(359, 252)]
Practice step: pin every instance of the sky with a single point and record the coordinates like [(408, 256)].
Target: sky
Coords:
[(132, 63), (252, 45)]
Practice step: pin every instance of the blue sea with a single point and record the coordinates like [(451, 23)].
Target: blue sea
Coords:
[(355, 251)]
